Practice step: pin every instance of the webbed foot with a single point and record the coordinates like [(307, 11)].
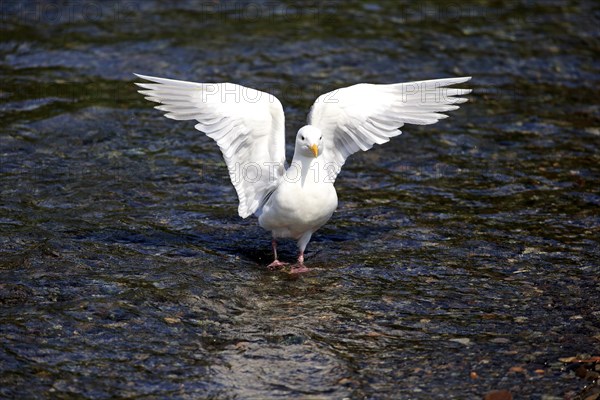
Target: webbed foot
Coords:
[(276, 265), (299, 269)]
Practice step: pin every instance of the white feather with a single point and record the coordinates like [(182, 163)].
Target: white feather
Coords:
[(357, 117), (247, 124)]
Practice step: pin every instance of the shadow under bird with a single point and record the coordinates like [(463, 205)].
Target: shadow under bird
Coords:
[(293, 201)]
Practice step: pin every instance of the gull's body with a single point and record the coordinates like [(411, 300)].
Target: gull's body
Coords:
[(248, 126), (302, 203), (295, 209)]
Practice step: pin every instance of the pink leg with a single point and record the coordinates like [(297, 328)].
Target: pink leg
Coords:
[(276, 264)]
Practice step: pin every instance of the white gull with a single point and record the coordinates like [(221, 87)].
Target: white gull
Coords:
[(248, 125)]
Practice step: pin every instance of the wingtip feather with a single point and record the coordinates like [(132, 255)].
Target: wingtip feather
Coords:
[(146, 77)]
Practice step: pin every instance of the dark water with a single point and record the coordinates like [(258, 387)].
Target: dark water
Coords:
[(463, 258)]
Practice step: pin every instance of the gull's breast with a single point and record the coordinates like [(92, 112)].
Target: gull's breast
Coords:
[(294, 209)]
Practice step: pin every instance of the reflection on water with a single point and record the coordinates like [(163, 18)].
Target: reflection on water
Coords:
[(463, 256)]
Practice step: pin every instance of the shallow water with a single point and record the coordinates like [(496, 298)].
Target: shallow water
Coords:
[(463, 256)]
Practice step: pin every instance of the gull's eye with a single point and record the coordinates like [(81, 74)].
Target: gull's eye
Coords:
[(321, 138), (301, 137)]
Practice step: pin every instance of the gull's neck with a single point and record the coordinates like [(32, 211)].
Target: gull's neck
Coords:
[(306, 170)]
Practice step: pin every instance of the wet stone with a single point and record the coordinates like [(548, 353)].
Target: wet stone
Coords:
[(498, 395)]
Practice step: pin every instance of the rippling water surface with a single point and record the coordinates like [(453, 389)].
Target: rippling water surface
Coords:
[(463, 257)]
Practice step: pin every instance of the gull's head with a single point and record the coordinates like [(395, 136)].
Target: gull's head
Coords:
[(309, 141)]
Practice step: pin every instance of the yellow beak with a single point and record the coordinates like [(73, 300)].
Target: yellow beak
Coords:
[(315, 150)]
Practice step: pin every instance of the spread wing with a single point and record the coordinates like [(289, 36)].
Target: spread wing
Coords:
[(357, 117), (247, 124)]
